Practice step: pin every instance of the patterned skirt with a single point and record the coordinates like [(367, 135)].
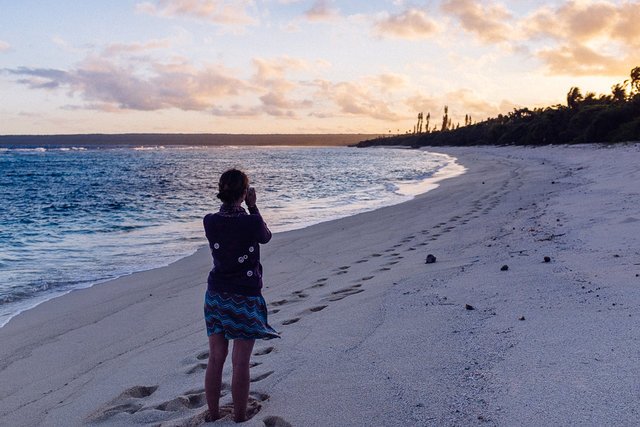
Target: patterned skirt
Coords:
[(237, 316)]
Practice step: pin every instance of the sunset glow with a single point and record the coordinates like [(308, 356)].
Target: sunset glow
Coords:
[(307, 66)]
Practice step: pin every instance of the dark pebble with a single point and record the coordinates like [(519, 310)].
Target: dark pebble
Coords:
[(522, 318), (504, 268), (430, 259), (547, 259), (553, 182), (469, 307)]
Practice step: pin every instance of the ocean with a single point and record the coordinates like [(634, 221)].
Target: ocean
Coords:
[(73, 217)]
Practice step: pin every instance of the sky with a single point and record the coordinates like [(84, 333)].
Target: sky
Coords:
[(299, 66)]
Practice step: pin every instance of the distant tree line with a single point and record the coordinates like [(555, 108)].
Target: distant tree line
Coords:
[(586, 118)]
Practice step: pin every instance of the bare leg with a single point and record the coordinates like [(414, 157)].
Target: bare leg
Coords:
[(218, 349), (240, 382)]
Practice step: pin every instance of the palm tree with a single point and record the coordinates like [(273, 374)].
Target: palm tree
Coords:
[(445, 119), (619, 93), (574, 97), (635, 79)]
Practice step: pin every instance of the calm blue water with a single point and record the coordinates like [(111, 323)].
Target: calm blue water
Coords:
[(73, 217)]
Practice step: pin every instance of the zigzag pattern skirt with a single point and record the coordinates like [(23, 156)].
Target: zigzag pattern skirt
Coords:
[(237, 316)]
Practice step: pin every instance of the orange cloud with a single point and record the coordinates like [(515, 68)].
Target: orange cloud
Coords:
[(411, 24), (4, 46), (582, 60), (488, 23), (223, 12), (591, 38), (360, 98), (321, 11)]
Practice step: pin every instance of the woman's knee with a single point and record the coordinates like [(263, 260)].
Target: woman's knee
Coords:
[(218, 348)]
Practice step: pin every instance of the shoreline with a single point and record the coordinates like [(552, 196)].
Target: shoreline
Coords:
[(450, 171), (370, 333)]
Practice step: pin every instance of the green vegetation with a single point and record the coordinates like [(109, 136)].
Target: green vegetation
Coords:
[(585, 119)]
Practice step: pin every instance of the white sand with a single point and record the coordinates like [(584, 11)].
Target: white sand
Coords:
[(371, 335)]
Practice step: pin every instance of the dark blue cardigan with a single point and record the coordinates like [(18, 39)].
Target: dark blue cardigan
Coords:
[(234, 238)]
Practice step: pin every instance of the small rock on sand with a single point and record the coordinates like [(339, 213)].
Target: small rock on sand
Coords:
[(430, 259), (547, 259), (504, 268), (521, 318), (469, 307)]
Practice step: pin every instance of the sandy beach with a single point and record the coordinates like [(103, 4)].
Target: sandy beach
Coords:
[(371, 334)]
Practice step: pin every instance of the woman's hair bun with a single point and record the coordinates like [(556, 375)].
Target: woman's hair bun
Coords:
[(232, 185)]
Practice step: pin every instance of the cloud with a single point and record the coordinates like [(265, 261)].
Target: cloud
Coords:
[(221, 12), (364, 97), (586, 38), (582, 60), (271, 78), (4, 46), (321, 11), (488, 23), (110, 86), (411, 24), (119, 48)]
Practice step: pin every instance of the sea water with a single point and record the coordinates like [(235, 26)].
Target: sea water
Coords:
[(72, 217)]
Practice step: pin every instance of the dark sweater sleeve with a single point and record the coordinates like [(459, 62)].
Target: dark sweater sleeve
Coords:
[(263, 234)]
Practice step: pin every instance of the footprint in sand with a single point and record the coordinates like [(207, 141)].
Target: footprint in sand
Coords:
[(261, 377), (343, 293), (127, 402), (197, 368), (188, 401), (275, 421), (203, 355), (368, 278), (313, 310), (280, 302), (320, 283), (385, 269), (264, 351), (254, 404), (290, 321), (361, 261), (376, 255), (299, 294), (274, 311)]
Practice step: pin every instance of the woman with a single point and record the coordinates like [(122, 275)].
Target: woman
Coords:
[(234, 308)]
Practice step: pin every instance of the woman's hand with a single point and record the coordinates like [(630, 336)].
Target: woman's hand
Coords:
[(250, 198)]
